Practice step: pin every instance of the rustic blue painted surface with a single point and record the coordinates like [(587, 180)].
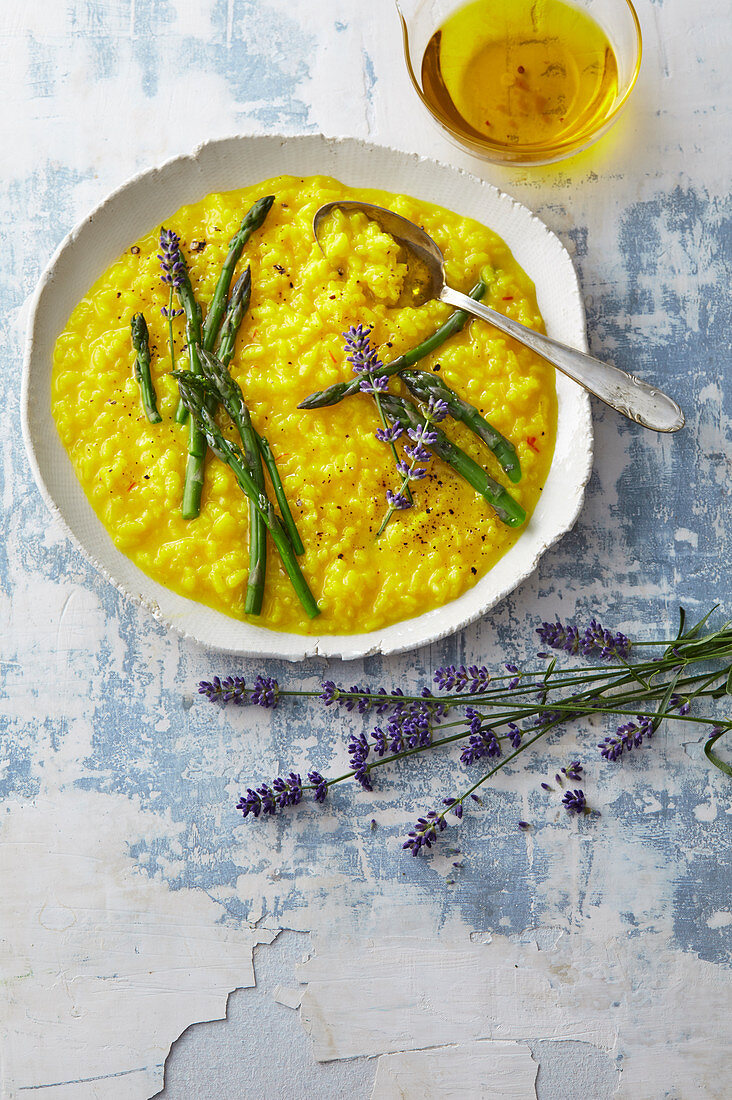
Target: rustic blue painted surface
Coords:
[(102, 89)]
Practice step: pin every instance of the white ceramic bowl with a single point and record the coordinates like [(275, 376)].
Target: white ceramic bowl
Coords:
[(146, 201)]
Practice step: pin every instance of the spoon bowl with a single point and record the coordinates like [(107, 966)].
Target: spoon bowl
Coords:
[(630, 396)]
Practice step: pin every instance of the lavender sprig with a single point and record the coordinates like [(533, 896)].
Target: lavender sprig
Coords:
[(267, 799), (594, 640), (364, 360), (173, 266), (422, 438), (233, 689), (626, 737), (425, 832), (471, 678)]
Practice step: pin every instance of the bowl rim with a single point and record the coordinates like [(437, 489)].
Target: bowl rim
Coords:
[(195, 621)]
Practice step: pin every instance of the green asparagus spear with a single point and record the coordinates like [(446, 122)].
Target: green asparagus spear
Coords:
[(141, 344), (269, 461), (193, 392), (236, 307), (252, 220), (454, 323), (228, 393), (423, 386), (193, 485), (508, 510)]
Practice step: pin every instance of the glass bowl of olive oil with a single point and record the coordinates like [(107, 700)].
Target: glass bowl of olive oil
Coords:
[(522, 81)]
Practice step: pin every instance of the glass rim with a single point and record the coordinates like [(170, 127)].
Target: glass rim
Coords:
[(554, 151)]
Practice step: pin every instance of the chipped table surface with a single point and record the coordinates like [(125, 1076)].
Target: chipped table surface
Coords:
[(585, 959)]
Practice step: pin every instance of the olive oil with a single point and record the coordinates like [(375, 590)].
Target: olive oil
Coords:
[(521, 74)]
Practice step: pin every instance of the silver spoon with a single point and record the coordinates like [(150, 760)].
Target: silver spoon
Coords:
[(623, 392)]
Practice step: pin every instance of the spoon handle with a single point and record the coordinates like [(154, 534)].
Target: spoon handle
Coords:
[(623, 392)]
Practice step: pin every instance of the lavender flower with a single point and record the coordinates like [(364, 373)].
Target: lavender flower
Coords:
[(437, 409), (558, 636), (265, 692), (410, 726), (256, 802), (683, 706), (573, 772), (363, 699), (471, 678), (409, 473), (626, 738), (418, 453), (516, 680), (233, 689), (575, 801), (320, 785), (421, 438), (366, 363), (380, 741), (171, 259), (425, 832), (288, 791), (597, 640), (474, 719), (329, 694), (481, 743), (364, 358), (174, 273), (389, 435), (594, 641), (268, 799), (397, 501), (373, 384), (548, 717), (359, 749), (355, 699), (280, 793)]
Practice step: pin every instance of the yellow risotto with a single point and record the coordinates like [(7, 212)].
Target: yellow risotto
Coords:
[(334, 470)]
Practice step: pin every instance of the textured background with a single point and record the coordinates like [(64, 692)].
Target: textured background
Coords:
[(133, 895)]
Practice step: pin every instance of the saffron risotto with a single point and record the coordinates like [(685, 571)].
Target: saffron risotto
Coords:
[(334, 470)]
